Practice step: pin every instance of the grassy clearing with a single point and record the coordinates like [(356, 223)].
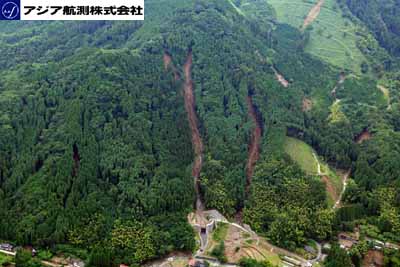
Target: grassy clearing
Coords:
[(337, 114), (301, 153), (386, 94), (333, 37), (220, 233)]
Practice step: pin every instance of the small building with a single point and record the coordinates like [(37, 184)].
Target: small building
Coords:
[(347, 240), (377, 244), (31, 249), (195, 263), (392, 246), (76, 263), (6, 247), (349, 236), (346, 244)]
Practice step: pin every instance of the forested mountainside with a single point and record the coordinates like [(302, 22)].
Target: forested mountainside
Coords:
[(382, 17), (96, 149)]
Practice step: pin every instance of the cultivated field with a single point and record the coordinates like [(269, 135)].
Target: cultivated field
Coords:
[(241, 244), (333, 37)]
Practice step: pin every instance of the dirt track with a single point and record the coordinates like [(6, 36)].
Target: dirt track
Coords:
[(341, 80), (345, 177), (313, 14), (254, 146), (193, 124)]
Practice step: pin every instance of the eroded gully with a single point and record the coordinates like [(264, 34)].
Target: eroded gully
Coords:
[(254, 146), (190, 106)]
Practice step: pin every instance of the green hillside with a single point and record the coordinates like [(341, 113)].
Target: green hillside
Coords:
[(333, 37), (302, 154), (111, 133)]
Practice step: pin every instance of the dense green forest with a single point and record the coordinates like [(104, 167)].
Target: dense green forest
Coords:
[(382, 17), (95, 147)]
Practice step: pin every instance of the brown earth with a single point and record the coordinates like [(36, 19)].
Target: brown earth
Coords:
[(373, 258), (330, 188), (363, 136), (254, 146), (280, 78), (307, 104), (167, 59), (313, 14), (190, 106)]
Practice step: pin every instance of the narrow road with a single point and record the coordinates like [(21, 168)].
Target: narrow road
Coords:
[(341, 80), (330, 185), (190, 107), (46, 263), (9, 253), (319, 255), (345, 179), (386, 94)]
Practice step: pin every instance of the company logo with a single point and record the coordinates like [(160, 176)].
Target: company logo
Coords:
[(10, 10)]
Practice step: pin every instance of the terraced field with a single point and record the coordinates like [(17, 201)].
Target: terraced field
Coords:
[(239, 244), (332, 38)]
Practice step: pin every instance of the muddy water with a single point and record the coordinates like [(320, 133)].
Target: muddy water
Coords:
[(254, 146), (190, 106)]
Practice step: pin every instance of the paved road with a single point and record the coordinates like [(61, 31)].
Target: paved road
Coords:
[(7, 252), (318, 258)]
